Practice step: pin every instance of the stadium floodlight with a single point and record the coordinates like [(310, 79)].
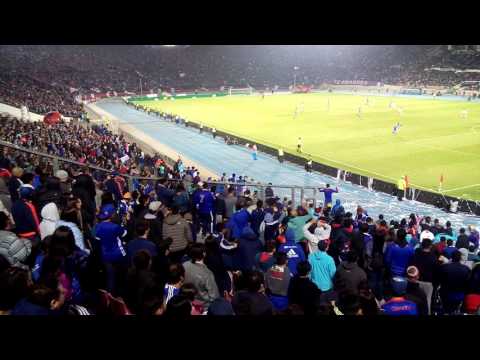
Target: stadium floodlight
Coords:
[(295, 68)]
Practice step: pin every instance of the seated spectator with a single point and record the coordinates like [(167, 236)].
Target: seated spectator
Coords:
[(12, 248)]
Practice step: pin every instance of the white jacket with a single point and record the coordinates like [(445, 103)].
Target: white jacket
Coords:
[(319, 235), (50, 216)]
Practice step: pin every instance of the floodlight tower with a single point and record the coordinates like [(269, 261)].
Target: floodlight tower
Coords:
[(295, 68)]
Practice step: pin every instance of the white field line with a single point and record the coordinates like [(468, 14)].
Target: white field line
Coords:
[(462, 187)]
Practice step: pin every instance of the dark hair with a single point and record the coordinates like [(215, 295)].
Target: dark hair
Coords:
[(164, 245), (107, 198), (448, 224), (174, 209), (426, 243), (3, 220), (189, 291), (456, 256), (52, 183), (71, 215), (269, 246), (462, 231), (178, 307), (303, 268), (14, 285), (380, 217), (442, 238), (142, 260), (141, 227), (62, 242), (322, 245), (50, 271), (197, 252), (449, 242), (352, 256), (211, 245), (401, 237), (281, 258), (175, 273), (254, 281), (43, 296), (363, 227), (259, 204), (348, 303), (27, 178)]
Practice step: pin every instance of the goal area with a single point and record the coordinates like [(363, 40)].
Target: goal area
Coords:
[(240, 91)]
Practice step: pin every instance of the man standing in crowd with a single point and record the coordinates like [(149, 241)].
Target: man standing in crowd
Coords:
[(328, 193)]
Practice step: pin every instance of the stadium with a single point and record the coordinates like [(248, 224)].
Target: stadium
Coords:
[(182, 180)]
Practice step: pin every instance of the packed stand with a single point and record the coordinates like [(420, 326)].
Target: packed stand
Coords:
[(71, 244)]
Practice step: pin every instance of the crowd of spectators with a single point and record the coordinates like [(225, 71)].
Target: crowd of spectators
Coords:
[(48, 78), (76, 242)]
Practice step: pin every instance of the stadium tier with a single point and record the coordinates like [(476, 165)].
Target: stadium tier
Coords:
[(183, 181)]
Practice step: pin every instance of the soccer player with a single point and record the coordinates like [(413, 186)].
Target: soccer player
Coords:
[(254, 152), (464, 114), (201, 128), (359, 113), (299, 145), (366, 101), (263, 95), (328, 104), (396, 128), (328, 193), (214, 132)]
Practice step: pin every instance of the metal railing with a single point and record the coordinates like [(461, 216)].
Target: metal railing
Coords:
[(296, 194)]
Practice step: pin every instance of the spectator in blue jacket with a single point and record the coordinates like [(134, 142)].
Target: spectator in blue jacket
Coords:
[(204, 202), (293, 250), (248, 247), (239, 220), (257, 217), (164, 194), (110, 237), (398, 255)]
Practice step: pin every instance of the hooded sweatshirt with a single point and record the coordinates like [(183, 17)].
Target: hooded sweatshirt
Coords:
[(338, 208), (293, 250), (314, 239), (323, 270), (238, 222), (50, 217)]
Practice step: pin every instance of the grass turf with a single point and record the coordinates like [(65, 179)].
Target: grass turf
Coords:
[(433, 139)]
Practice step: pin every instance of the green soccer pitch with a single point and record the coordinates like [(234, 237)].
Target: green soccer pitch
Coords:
[(434, 137)]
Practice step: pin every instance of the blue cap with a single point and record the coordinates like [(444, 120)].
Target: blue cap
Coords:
[(106, 212), (26, 192)]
